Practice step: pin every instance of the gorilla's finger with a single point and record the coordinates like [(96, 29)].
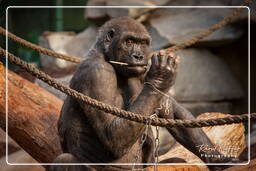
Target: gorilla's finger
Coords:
[(161, 57), (164, 61), (155, 62), (176, 62), (161, 52), (171, 54), (171, 61)]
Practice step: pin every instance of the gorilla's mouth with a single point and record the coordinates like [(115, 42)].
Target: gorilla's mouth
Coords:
[(137, 65), (136, 68), (127, 64)]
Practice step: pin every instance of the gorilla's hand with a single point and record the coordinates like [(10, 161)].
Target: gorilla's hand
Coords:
[(162, 72)]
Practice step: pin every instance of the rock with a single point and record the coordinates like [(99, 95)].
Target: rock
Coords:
[(19, 157), (242, 16), (12, 145), (55, 41), (66, 43), (96, 13), (64, 80), (197, 108), (186, 23), (105, 13), (80, 44), (202, 76), (158, 41)]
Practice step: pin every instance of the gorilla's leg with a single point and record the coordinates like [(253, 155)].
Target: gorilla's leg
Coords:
[(68, 158)]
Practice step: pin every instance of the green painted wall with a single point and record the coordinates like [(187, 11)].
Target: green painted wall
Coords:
[(30, 23)]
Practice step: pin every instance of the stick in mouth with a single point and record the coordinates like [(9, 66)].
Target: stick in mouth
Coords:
[(119, 63)]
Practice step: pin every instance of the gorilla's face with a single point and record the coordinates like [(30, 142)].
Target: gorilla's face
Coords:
[(128, 45), (133, 50)]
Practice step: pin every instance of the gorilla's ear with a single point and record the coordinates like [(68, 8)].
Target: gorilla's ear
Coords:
[(110, 35), (108, 39)]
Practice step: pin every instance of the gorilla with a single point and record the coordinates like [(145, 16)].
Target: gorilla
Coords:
[(89, 135)]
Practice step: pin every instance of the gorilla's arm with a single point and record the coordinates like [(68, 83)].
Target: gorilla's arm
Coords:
[(190, 138), (97, 79)]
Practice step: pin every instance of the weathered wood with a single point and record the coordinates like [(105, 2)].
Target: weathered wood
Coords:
[(250, 167), (12, 145), (228, 139), (32, 116), (174, 168)]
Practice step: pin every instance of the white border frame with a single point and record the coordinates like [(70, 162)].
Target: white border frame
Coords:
[(43, 164)]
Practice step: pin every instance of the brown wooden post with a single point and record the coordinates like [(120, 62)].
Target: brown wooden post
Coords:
[(32, 116)]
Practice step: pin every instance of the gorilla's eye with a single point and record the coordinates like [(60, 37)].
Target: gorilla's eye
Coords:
[(129, 42), (144, 42)]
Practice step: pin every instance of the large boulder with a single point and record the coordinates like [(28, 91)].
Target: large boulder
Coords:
[(63, 80), (177, 25), (55, 41), (82, 42), (158, 41), (202, 76), (237, 3), (67, 43), (105, 13)]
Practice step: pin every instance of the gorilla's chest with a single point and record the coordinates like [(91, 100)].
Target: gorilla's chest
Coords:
[(129, 93)]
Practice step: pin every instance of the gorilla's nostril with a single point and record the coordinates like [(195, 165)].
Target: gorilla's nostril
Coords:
[(138, 57)]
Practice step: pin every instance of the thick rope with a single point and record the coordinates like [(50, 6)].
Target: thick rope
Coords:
[(39, 48), (174, 48), (119, 112)]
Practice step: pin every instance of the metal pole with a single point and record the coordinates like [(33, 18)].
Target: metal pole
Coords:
[(59, 16)]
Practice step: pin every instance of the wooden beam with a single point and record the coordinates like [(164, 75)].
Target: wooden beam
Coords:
[(32, 116)]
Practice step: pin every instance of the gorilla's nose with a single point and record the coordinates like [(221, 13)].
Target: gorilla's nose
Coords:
[(137, 56)]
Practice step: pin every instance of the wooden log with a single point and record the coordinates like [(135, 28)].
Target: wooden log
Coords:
[(228, 139), (250, 167), (32, 116), (174, 168), (12, 145)]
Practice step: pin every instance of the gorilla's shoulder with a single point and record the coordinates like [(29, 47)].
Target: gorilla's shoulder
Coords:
[(92, 69), (95, 65)]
